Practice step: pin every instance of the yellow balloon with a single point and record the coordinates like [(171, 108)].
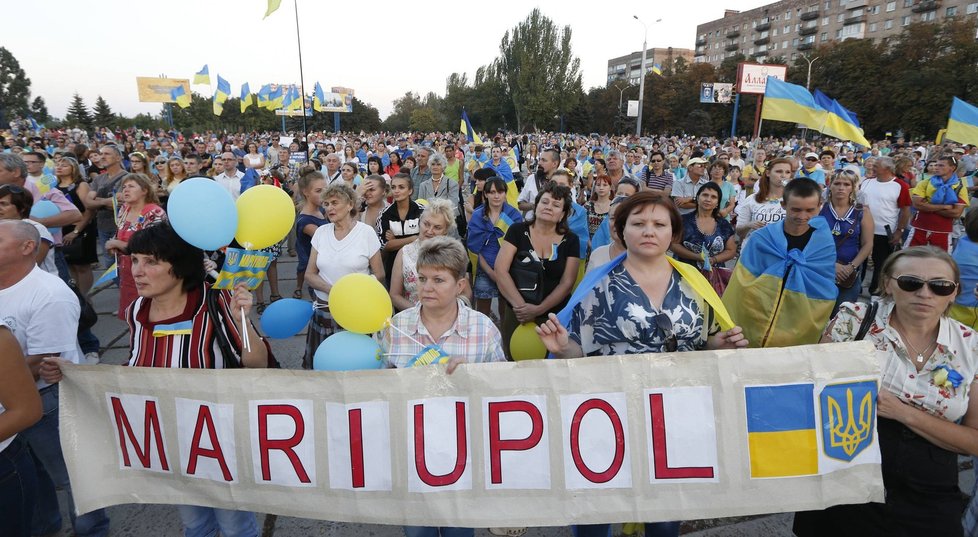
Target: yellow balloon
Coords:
[(525, 343), (266, 215), (359, 303)]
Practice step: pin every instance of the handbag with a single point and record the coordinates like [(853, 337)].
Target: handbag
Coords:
[(867, 322), (527, 274), (460, 222), (719, 277), (74, 251)]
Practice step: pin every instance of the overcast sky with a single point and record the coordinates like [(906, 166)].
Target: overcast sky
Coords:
[(98, 48)]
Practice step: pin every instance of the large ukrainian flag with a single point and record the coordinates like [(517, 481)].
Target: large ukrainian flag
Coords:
[(791, 103), (962, 124), (781, 435), (839, 121), (783, 298), (466, 129)]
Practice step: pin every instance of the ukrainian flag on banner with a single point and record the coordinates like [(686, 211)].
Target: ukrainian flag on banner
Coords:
[(783, 300), (246, 98), (839, 121), (318, 98), (791, 103), (962, 124), (781, 435), (223, 90), (175, 329), (179, 95), (202, 77), (466, 129)]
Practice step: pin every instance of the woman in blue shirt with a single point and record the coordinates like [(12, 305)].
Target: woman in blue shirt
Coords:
[(852, 228)]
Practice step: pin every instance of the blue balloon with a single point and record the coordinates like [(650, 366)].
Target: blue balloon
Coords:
[(44, 209), (286, 317), (347, 351), (203, 213)]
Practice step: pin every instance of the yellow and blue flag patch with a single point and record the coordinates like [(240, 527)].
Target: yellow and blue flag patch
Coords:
[(174, 329), (781, 432)]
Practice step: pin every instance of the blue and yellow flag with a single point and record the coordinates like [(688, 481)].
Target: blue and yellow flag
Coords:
[(218, 106), (781, 435), (276, 99), (783, 298), (223, 90), (791, 103), (203, 76), (246, 98), (962, 124), (179, 95), (182, 328), (318, 98), (838, 121), (262, 96), (657, 69), (110, 274), (272, 6), (293, 101), (466, 129)]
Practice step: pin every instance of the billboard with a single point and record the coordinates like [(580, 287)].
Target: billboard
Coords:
[(337, 102), (157, 90), (632, 108), (716, 92), (752, 77)]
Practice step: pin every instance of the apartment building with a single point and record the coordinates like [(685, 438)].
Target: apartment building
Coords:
[(628, 67), (793, 27)]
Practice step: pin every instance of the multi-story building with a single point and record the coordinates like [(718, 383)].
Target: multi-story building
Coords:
[(792, 27), (628, 67)]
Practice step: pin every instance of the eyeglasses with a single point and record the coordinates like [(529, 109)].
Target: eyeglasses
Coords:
[(32, 161), (813, 159), (11, 189), (656, 160), (938, 286), (664, 323)]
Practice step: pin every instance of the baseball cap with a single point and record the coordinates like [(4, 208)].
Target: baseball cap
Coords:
[(811, 155), (696, 160)]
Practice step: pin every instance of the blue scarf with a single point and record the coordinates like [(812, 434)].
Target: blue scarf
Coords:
[(944, 193)]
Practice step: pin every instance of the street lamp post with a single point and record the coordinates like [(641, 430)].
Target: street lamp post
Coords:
[(621, 94), (641, 83), (808, 81)]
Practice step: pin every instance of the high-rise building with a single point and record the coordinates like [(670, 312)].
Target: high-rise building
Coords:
[(628, 67), (793, 27)]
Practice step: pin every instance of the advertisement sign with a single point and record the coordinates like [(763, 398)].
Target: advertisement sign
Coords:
[(752, 77), (632, 108), (716, 92), (157, 90)]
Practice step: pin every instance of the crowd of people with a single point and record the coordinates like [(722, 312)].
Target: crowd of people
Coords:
[(609, 245)]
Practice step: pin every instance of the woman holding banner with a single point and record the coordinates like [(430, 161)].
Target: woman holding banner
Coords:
[(642, 302), (178, 321), (926, 417)]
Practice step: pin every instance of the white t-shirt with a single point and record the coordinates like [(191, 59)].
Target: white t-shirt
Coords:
[(750, 211), (42, 312), (528, 194), (48, 263), (337, 258), (882, 198), (5, 443)]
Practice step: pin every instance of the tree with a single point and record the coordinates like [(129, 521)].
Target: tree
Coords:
[(103, 114), (541, 75), (39, 110), (78, 114), (400, 117), (15, 87), (423, 120)]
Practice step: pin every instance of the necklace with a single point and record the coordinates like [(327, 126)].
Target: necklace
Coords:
[(920, 355)]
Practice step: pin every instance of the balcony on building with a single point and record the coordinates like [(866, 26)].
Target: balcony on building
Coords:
[(809, 15), (926, 5), (701, 41), (699, 53), (766, 25), (760, 54), (806, 46), (731, 47), (808, 30), (732, 34), (854, 4), (762, 40), (858, 19)]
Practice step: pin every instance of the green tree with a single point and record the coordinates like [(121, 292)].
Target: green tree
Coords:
[(541, 75), (15, 87), (40, 110), (423, 120), (364, 117), (400, 117), (103, 113), (78, 114)]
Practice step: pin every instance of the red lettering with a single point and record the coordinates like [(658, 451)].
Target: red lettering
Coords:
[(151, 423), (204, 419), (498, 445), (285, 445), (460, 448), (575, 440), (661, 458), (356, 448)]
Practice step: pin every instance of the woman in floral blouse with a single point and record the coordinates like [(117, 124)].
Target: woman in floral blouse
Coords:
[(928, 363)]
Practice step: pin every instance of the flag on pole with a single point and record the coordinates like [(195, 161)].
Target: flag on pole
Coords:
[(838, 121), (825, 102), (246, 98), (223, 89), (179, 95), (203, 77), (272, 6), (218, 104), (293, 100), (318, 98), (657, 69), (791, 103), (962, 124), (109, 275), (263, 96), (467, 130), (276, 99)]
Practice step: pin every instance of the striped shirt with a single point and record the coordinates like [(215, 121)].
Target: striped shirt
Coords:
[(473, 337), (658, 182), (185, 341)]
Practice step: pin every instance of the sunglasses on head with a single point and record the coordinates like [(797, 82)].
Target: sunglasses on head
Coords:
[(13, 189), (938, 286), (664, 323)]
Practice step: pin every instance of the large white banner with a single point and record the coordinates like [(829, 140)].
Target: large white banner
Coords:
[(540, 443)]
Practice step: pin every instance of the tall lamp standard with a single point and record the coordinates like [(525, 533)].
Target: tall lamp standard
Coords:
[(641, 83)]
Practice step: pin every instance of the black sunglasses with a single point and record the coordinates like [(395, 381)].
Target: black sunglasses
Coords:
[(938, 286), (664, 323)]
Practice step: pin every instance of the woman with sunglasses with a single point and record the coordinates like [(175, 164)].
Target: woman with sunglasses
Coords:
[(852, 229), (641, 305), (926, 415)]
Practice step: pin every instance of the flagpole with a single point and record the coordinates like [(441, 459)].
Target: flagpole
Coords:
[(302, 82)]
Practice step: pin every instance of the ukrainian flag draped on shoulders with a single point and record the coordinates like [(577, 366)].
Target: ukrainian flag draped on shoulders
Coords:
[(481, 232), (783, 298)]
